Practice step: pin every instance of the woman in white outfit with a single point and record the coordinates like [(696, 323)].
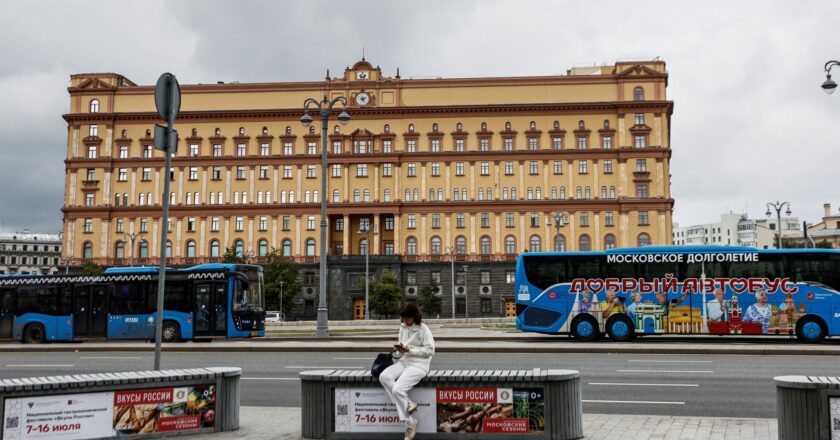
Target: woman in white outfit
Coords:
[(413, 354)]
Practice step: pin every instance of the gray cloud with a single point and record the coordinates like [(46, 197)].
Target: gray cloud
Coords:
[(750, 121)]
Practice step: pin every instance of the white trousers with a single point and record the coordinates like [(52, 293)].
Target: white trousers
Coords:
[(397, 380)]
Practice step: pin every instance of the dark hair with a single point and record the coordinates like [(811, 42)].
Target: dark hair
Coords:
[(411, 311)]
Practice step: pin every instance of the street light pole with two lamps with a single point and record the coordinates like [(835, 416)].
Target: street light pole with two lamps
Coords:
[(829, 85), (132, 237), (559, 220), (325, 107), (364, 228), (778, 206)]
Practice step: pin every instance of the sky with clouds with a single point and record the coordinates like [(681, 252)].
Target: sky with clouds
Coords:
[(750, 124)]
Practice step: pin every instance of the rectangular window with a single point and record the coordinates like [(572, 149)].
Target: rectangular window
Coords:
[(123, 152), (412, 170), (336, 147), (485, 220), (510, 276), (120, 226), (217, 150), (144, 225), (412, 221), (435, 169), (508, 144), (459, 168), (310, 171), (435, 221), (263, 223), (190, 224), (459, 220), (240, 173), (89, 199), (411, 146), (641, 165), (91, 152), (239, 224), (606, 142), (535, 219), (608, 168), (509, 220), (122, 175), (336, 170), (582, 167), (557, 143), (287, 222), (534, 168), (339, 224), (533, 143), (436, 276), (387, 169), (361, 170), (214, 224), (265, 149), (193, 173), (389, 223), (387, 146), (435, 146), (263, 172), (459, 145), (148, 151), (287, 171), (639, 119), (484, 144), (508, 168), (311, 148), (582, 142), (608, 219), (558, 167), (91, 174), (485, 168), (584, 219), (411, 277), (460, 277), (93, 131), (642, 191), (639, 141), (288, 148), (193, 150), (643, 218), (485, 277), (217, 173)]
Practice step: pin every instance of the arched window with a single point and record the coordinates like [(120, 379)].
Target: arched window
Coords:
[(212, 198), (336, 196), (606, 123), (190, 249), (638, 94), (460, 245), (459, 127), (609, 242), (149, 198), (143, 249), (416, 194), (584, 243), (87, 250), (119, 250), (411, 246), (291, 197), (407, 195), (214, 248), (581, 124), (643, 240), (513, 193), (489, 193), (117, 200), (510, 244), (239, 248), (530, 193), (386, 196), (434, 127), (287, 248), (507, 125), (554, 193), (306, 196), (559, 243), (603, 192), (188, 201), (410, 128), (125, 199), (94, 106), (556, 125), (366, 195), (483, 126), (612, 192), (505, 193), (535, 244), (242, 131), (579, 193), (244, 197), (481, 194), (484, 246), (282, 197), (431, 194), (562, 193), (463, 194), (532, 125), (386, 128), (268, 196), (262, 247), (168, 249), (310, 247), (221, 198), (587, 193), (142, 200), (288, 130), (363, 246), (357, 194), (265, 131), (435, 245)]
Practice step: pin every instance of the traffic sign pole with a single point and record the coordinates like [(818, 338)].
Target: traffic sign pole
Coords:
[(168, 102)]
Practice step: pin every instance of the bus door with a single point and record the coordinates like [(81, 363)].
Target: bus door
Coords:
[(7, 313), (90, 317), (210, 309)]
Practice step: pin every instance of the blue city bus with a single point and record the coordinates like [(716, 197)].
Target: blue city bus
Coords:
[(653, 290), (204, 301)]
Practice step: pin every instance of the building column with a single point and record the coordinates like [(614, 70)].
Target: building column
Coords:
[(397, 239), (375, 250), (345, 240)]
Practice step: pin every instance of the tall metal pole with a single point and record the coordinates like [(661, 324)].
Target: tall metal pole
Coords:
[(452, 272), (778, 207), (281, 301), (367, 272), (466, 292), (779, 226)]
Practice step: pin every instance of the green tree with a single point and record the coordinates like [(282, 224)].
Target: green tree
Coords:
[(385, 295), (92, 268), (232, 257), (429, 300), (281, 269)]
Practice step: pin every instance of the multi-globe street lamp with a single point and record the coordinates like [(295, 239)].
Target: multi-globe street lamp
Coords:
[(559, 220), (452, 252), (364, 228), (778, 206), (325, 107), (829, 85), (132, 237)]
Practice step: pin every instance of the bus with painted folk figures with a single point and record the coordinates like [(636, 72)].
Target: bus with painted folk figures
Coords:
[(685, 290), (204, 301)]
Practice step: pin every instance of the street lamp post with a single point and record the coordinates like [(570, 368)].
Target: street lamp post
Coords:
[(365, 229), (325, 107), (778, 206), (829, 85), (559, 221), (132, 237), (451, 252), (281, 301)]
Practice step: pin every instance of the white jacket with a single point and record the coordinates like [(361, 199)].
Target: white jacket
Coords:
[(420, 343)]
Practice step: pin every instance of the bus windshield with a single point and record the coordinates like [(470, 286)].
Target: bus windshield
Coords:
[(249, 291)]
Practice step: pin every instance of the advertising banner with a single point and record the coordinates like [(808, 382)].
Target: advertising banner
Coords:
[(106, 414), (370, 410)]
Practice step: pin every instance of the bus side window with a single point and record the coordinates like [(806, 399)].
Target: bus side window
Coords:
[(65, 300)]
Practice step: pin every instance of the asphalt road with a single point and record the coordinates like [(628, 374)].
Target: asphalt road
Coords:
[(692, 385)]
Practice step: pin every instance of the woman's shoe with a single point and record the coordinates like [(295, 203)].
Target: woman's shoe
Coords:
[(412, 408), (411, 430)]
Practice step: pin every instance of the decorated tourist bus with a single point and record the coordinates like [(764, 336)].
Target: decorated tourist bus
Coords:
[(654, 290), (204, 301)]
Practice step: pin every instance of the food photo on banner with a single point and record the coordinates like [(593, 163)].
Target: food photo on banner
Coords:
[(164, 410), (491, 410)]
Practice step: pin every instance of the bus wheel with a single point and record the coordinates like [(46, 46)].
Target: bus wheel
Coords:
[(33, 334), (585, 329), (620, 329), (810, 329), (170, 332)]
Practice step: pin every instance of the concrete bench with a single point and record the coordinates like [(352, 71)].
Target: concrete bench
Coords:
[(199, 400), (808, 407), (500, 404)]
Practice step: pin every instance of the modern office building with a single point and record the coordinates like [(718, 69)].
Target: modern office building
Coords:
[(475, 167), (26, 252)]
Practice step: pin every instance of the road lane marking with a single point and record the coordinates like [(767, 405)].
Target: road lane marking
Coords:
[(321, 367), (644, 384), (668, 371), (110, 357), (670, 361), (270, 378), (644, 402), (40, 366)]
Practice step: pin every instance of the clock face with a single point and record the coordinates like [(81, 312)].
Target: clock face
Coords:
[(362, 75), (362, 98)]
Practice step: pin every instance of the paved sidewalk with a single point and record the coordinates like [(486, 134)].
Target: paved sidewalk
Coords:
[(283, 423)]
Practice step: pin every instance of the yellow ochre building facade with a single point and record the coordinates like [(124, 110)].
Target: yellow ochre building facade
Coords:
[(474, 166)]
